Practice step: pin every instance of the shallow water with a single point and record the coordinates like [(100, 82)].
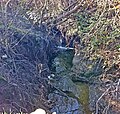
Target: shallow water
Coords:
[(84, 97)]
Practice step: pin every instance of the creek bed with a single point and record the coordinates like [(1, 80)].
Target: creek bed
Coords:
[(70, 97)]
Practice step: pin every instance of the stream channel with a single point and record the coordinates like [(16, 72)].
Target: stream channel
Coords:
[(70, 96)]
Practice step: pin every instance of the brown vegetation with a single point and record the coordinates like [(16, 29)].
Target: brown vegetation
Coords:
[(96, 22)]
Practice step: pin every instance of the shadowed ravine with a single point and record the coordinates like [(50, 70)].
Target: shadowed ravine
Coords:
[(72, 97)]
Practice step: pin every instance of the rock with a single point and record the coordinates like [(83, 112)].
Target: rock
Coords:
[(64, 105), (40, 111), (86, 67), (66, 84), (63, 62)]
